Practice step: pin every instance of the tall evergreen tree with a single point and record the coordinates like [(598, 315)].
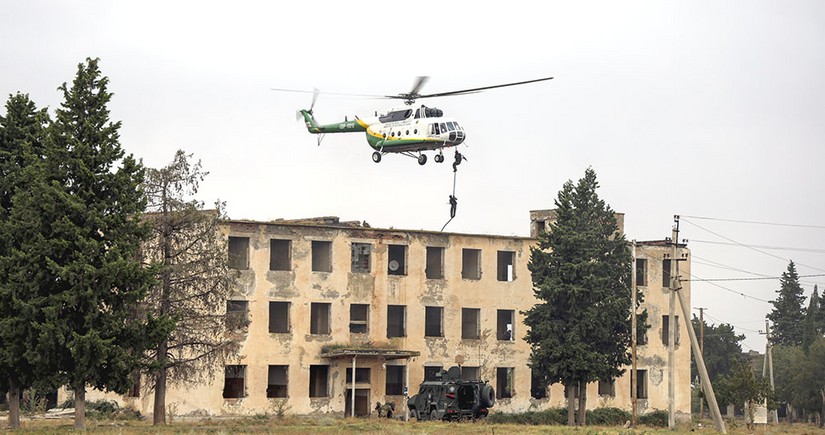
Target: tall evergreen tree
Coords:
[(788, 314), (811, 329), (580, 331), (193, 280), (90, 229), (22, 137)]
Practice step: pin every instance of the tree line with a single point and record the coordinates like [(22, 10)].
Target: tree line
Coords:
[(108, 269)]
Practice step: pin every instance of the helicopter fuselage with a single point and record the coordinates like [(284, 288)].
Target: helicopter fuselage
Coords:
[(402, 130)]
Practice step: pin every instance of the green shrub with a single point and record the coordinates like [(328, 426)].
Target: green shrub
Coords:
[(546, 417), (608, 417), (657, 418)]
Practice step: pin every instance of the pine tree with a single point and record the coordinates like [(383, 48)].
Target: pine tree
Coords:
[(193, 280), (811, 329), (90, 229), (22, 132), (787, 314), (580, 331)]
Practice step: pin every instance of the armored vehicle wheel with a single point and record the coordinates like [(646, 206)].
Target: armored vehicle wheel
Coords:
[(376, 157), (433, 415)]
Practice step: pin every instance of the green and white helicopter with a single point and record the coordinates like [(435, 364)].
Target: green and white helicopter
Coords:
[(403, 130)]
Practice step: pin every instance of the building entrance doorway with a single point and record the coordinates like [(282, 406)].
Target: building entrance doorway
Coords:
[(362, 402)]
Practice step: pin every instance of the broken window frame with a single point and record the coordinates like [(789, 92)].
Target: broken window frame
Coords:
[(360, 254), (318, 381), (359, 324), (320, 318), (502, 272), (280, 254), (434, 322), (395, 377), (392, 313), (666, 268), (502, 317), (398, 254), (470, 373), (321, 256), (470, 328), (505, 380), (279, 310), (471, 263), (275, 390), (231, 390), (434, 268), (238, 248)]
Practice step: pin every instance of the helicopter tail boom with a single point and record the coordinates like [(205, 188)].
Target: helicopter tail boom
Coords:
[(346, 126)]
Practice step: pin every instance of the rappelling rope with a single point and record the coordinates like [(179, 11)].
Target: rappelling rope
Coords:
[(453, 199)]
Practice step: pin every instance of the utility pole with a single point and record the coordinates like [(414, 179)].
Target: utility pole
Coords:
[(671, 329), (702, 352), (768, 363), (633, 374), (700, 360)]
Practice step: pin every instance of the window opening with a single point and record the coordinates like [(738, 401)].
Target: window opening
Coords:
[(470, 323), (359, 318), (430, 372), (362, 375), (280, 254), (319, 318), (395, 381), (506, 266), (318, 381), (666, 329), (396, 324), (321, 256), (237, 314), (505, 320), (277, 381), (641, 384), (607, 388), (234, 382), (279, 317), (360, 257), (433, 318), (435, 262), (471, 263), (397, 259), (641, 272), (239, 253), (504, 382), (469, 373), (666, 273), (538, 389)]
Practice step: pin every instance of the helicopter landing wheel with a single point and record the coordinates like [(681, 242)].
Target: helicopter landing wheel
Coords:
[(422, 159), (376, 157), (439, 158)]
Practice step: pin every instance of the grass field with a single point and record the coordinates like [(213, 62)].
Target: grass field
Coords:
[(262, 424)]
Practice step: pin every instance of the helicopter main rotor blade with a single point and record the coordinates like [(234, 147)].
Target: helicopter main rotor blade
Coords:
[(420, 81), (475, 90)]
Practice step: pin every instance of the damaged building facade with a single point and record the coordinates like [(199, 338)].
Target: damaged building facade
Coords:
[(332, 314)]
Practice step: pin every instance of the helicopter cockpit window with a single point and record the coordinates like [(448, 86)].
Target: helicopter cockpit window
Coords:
[(443, 127), (450, 126)]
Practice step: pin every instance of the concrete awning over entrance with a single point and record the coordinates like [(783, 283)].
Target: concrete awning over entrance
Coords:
[(387, 354)]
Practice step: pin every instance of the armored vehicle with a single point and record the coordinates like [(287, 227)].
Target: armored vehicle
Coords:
[(449, 397)]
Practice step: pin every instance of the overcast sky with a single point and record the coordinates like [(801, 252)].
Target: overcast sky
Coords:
[(700, 108)]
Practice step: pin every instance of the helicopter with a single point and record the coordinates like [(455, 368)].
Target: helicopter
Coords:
[(405, 130)]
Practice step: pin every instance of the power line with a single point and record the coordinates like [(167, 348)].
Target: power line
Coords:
[(750, 278), (821, 227), (747, 246), (732, 291), (779, 248)]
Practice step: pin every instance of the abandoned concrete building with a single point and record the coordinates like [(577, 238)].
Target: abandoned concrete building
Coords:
[(323, 303)]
